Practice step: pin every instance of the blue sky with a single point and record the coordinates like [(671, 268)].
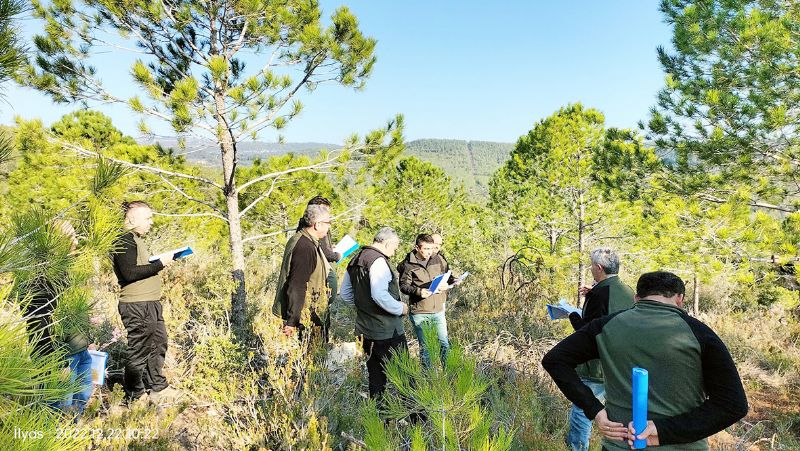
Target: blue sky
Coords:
[(458, 69)]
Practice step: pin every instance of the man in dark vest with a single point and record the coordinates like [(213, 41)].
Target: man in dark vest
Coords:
[(372, 285), (694, 389), (302, 296), (140, 307), (608, 295)]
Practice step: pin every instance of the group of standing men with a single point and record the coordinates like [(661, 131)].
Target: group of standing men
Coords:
[(307, 285), (694, 392)]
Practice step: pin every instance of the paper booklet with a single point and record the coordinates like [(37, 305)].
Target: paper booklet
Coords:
[(178, 253), (437, 282), (463, 276), (345, 247), (561, 310)]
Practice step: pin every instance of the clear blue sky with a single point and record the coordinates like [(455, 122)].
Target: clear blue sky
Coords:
[(467, 69)]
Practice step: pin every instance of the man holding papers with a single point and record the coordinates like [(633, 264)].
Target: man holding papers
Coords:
[(371, 284), (140, 307), (417, 273), (608, 295), (694, 390)]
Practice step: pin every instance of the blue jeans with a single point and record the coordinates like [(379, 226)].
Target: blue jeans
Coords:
[(438, 321), (580, 427), (80, 365)]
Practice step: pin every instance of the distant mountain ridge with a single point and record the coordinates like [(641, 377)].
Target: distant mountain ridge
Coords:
[(469, 162)]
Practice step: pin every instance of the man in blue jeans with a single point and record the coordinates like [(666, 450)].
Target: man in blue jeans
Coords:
[(80, 365), (608, 295), (417, 271)]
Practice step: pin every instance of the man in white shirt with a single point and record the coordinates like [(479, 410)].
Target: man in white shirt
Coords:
[(372, 286)]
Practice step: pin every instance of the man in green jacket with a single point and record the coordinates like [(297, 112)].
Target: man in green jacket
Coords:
[(608, 295), (694, 389), (302, 296)]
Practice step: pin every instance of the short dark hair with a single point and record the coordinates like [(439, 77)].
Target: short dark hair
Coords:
[(661, 283), (128, 206), (319, 200), (424, 238)]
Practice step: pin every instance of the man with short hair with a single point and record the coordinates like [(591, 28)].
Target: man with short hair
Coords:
[(694, 389), (437, 245), (608, 295), (417, 271), (372, 285), (325, 244), (301, 299), (140, 306)]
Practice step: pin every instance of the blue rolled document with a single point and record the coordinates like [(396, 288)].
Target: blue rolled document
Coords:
[(640, 383), (178, 253), (345, 247)]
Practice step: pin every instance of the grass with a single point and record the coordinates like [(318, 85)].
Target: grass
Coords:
[(267, 394)]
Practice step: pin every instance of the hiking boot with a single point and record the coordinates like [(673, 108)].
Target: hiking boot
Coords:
[(168, 395)]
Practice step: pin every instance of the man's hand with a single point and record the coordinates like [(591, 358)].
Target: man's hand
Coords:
[(443, 287), (92, 347), (650, 434), (426, 293), (289, 330), (610, 429), (583, 290), (405, 309), (166, 259)]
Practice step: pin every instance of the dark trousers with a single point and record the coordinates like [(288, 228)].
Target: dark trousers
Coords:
[(378, 352), (147, 346)]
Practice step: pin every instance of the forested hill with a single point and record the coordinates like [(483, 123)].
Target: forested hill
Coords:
[(469, 162)]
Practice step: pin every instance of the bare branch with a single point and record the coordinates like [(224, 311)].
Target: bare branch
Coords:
[(190, 215), (329, 161), (260, 198), (183, 193), (267, 235), (88, 153)]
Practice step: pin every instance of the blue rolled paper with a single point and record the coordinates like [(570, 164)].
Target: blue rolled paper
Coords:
[(639, 376)]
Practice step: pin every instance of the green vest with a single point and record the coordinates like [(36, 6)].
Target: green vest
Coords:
[(655, 330), (620, 297), (148, 289), (317, 291), (372, 321)]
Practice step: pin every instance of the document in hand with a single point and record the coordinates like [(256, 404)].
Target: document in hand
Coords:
[(437, 282), (561, 310), (180, 252), (345, 247)]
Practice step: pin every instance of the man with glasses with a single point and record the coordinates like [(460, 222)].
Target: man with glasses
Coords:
[(302, 296), (608, 295)]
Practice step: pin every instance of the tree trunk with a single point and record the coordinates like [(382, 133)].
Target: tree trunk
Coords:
[(695, 295), (581, 246), (228, 151)]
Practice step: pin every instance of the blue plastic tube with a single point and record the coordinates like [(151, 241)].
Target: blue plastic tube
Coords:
[(639, 405)]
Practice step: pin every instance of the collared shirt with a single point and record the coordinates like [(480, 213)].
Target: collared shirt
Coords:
[(379, 278)]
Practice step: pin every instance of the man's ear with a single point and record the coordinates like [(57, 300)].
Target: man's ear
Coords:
[(679, 300), (636, 298)]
